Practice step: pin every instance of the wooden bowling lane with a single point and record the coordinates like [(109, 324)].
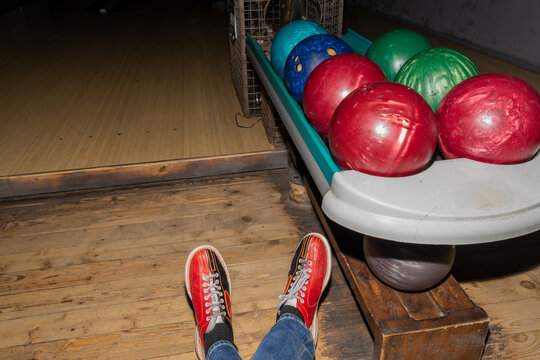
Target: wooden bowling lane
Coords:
[(145, 84)]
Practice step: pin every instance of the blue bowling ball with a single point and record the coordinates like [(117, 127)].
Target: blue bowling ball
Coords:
[(287, 38), (305, 57)]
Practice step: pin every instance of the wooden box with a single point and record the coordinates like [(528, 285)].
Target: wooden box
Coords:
[(440, 323)]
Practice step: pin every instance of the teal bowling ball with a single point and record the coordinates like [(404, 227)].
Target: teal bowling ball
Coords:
[(391, 50), (287, 38)]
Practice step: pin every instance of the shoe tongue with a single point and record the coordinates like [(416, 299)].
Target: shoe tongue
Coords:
[(215, 300), (215, 319), (291, 302)]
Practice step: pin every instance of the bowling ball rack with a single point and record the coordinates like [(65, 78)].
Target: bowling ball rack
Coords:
[(451, 202)]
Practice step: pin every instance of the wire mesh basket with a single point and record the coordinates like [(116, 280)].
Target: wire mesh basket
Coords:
[(273, 125), (262, 19)]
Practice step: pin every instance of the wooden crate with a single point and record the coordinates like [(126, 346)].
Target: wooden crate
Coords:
[(440, 323)]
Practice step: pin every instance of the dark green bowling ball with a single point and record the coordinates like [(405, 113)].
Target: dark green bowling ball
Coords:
[(393, 49), (433, 72)]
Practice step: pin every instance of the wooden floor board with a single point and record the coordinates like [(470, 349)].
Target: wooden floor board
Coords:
[(504, 278), (520, 286), (99, 274), (73, 284), (515, 316)]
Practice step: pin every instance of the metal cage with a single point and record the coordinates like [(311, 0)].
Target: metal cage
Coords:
[(262, 19)]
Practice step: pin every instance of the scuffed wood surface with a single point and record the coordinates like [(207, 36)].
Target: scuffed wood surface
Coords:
[(100, 274)]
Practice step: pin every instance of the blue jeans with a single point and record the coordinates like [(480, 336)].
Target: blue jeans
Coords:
[(289, 339)]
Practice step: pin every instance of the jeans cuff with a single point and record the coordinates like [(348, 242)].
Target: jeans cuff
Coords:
[(290, 316), (219, 344)]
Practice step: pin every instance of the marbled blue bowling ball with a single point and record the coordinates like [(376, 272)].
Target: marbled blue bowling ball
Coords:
[(287, 38), (305, 57)]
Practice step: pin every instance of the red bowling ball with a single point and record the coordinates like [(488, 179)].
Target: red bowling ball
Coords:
[(493, 118), (331, 82), (384, 129)]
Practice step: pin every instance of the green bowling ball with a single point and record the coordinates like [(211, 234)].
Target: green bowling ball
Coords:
[(391, 50), (435, 71)]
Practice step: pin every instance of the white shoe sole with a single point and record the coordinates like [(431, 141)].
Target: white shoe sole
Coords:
[(315, 322)]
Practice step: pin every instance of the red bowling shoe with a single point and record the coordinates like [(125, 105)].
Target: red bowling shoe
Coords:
[(309, 274), (208, 287)]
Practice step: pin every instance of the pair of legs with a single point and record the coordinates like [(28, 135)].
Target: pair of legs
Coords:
[(294, 334)]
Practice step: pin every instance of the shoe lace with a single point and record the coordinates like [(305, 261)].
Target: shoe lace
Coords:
[(298, 284), (215, 307)]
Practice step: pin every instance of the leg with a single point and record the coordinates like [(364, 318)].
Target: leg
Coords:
[(289, 338), (208, 287), (295, 333), (222, 350)]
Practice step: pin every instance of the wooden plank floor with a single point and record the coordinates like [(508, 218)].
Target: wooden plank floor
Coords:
[(149, 82), (504, 279), (100, 274)]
